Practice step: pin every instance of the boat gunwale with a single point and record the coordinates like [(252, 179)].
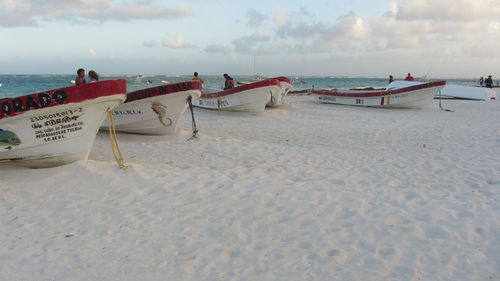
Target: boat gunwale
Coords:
[(242, 88), (408, 89), (74, 95), (170, 89)]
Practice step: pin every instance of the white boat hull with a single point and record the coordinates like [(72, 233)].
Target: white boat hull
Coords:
[(418, 97), (139, 116), (454, 91), (57, 135), (251, 100), (280, 97)]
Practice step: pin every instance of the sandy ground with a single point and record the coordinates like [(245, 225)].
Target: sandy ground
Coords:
[(304, 192)]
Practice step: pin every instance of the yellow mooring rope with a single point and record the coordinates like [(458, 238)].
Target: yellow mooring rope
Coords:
[(114, 143)]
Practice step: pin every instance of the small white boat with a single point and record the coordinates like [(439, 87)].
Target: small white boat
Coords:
[(454, 91), (280, 97), (412, 96), (250, 98), (156, 110), (55, 127)]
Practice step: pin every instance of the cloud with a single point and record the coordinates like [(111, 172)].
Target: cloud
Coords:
[(345, 34), (176, 42), (216, 49), (281, 16), (245, 44), (32, 13), (255, 18), (414, 28), (445, 10), (92, 52), (439, 28)]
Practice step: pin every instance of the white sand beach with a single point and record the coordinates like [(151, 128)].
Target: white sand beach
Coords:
[(307, 191)]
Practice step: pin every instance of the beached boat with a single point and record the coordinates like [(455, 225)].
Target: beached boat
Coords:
[(412, 96), (279, 97), (156, 110), (251, 98), (452, 91), (55, 127)]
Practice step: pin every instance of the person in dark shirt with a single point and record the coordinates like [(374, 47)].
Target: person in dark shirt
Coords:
[(80, 78), (488, 82), (229, 84), (391, 79)]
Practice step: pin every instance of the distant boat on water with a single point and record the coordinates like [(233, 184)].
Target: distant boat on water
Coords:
[(140, 80), (298, 81)]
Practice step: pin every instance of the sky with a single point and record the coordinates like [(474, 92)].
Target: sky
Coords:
[(431, 38)]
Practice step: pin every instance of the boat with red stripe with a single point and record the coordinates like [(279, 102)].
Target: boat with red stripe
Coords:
[(280, 97), (249, 98), (414, 96), (155, 110), (55, 127)]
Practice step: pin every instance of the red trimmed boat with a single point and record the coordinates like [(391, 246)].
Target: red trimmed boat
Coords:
[(280, 97), (156, 110), (58, 126), (250, 98), (415, 96)]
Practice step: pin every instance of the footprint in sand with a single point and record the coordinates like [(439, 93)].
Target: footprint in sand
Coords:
[(385, 251)]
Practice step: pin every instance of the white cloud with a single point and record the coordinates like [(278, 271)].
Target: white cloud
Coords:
[(92, 52), (176, 42), (255, 18), (31, 13), (455, 28), (246, 44), (446, 10), (494, 27), (282, 15)]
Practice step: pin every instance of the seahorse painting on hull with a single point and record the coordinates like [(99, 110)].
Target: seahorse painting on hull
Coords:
[(161, 110)]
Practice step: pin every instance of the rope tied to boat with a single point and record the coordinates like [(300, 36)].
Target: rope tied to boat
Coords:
[(273, 99), (440, 106), (193, 121), (113, 140)]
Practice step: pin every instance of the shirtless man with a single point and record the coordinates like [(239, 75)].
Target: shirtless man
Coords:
[(197, 78), (80, 79)]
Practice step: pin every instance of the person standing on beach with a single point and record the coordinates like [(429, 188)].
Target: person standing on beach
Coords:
[(409, 77), (197, 78), (489, 82), (94, 77), (229, 82), (481, 82), (391, 79), (80, 78)]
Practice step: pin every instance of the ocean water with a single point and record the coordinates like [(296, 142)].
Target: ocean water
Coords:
[(18, 85)]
